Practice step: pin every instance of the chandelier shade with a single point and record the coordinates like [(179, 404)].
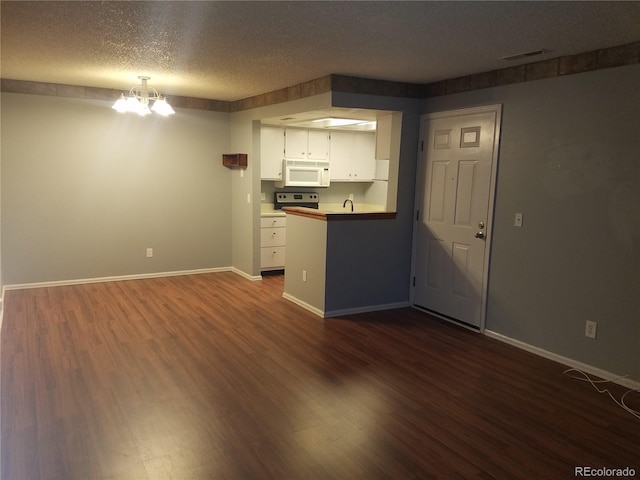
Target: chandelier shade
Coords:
[(138, 101)]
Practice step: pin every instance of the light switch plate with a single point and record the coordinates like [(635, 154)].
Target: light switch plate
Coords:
[(591, 329)]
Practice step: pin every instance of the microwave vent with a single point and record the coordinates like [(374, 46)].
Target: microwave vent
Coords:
[(306, 163)]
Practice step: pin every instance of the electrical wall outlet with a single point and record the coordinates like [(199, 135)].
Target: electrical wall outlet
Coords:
[(517, 221), (149, 252), (351, 197), (590, 329)]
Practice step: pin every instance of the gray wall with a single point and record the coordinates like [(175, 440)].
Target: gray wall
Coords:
[(570, 161), (369, 261), (245, 138), (306, 247), (368, 264), (243, 201), (86, 190)]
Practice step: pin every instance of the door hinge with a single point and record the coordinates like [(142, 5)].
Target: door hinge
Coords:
[(417, 215), (422, 146), (414, 281)]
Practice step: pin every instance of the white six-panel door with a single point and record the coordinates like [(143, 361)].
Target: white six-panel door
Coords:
[(454, 188)]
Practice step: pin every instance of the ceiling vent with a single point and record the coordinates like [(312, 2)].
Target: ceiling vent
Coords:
[(519, 56)]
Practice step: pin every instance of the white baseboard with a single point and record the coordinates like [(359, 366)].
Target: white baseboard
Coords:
[(345, 311), (368, 308), (598, 372), (118, 278), (253, 278), (302, 304)]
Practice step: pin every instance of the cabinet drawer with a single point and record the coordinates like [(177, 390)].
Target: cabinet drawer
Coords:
[(273, 222), (273, 237), (271, 257)]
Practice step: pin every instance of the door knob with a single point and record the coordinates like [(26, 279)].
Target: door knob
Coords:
[(479, 234)]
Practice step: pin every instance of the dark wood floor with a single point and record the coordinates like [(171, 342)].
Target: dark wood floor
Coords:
[(216, 377)]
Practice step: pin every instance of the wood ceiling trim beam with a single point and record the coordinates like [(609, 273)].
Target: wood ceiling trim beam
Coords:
[(96, 93), (567, 65)]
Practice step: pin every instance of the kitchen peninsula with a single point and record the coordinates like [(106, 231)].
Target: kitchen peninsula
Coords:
[(331, 257), (338, 215)]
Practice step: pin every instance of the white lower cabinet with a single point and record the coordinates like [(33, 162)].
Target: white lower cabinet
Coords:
[(273, 239)]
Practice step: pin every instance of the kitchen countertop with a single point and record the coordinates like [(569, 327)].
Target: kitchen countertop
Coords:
[(340, 215), (267, 210), (275, 213)]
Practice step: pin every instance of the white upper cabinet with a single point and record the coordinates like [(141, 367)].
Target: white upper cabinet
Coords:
[(340, 155), (382, 170), (318, 145), (306, 144), (296, 143), (364, 160), (352, 156), (383, 137), (271, 152)]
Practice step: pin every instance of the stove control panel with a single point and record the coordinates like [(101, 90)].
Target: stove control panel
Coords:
[(295, 199)]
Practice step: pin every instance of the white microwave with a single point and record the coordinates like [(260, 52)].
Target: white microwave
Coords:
[(305, 173)]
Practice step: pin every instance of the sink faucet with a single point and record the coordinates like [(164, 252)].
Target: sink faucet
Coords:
[(345, 203)]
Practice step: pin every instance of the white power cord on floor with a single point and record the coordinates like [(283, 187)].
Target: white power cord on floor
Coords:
[(620, 402)]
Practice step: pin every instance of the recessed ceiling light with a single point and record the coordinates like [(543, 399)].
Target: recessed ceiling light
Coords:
[(518, 56)]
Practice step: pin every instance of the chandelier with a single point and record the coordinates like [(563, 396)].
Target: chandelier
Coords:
[(138, 100)]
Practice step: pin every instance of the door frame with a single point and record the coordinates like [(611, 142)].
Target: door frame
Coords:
[(420, 191)]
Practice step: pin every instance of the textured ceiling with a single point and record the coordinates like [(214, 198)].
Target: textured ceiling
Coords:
[(233, 50)]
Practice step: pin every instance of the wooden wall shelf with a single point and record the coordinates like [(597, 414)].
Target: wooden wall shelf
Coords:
[(234, 160)]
